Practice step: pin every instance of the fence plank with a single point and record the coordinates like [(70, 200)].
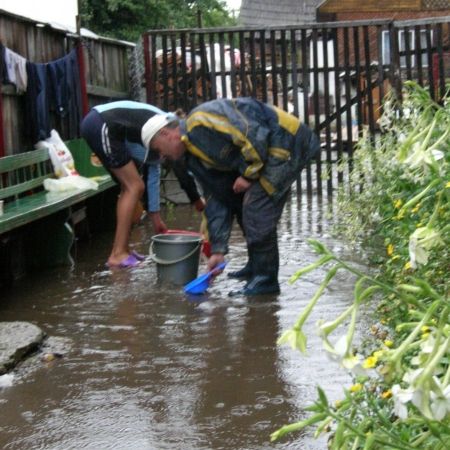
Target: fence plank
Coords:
[(273, 57), (306, 92), (105, 64), (341, 71)]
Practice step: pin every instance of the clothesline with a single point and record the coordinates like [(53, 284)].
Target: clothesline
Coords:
[(57, 86)]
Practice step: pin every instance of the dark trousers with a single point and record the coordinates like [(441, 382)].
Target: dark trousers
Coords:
[(260, 215)]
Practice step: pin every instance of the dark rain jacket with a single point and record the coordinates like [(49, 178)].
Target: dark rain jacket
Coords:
[(227, 138)]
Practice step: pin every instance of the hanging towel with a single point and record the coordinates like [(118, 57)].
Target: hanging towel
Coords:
[(37, 102), (54, 86), (64, 88), (16, 70)]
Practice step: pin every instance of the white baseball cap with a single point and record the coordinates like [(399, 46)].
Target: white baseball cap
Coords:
[(152, 126)]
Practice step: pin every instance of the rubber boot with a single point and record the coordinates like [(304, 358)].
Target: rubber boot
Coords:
[(264, 279), (245, 272)]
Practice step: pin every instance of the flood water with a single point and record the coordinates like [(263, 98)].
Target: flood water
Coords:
[(148, 368)]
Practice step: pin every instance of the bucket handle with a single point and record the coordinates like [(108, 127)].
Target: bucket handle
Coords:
[(165, 262)]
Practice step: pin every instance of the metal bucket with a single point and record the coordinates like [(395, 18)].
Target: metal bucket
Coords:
[(177, 257)]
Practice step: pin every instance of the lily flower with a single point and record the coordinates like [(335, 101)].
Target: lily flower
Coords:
[(401, 398), (420, 242), (423, 158), (295, 338), (341, 354), (440, 400), (411, 375)]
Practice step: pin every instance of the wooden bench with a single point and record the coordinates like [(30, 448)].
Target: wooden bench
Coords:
[(40, 223)]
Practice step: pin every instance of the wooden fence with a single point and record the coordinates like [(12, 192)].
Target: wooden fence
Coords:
[(105, 73), (332, 75)]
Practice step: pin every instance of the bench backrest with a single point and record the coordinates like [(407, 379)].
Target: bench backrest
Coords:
[(24, 172)]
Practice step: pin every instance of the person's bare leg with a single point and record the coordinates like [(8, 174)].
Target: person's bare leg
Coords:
[(132, 188)]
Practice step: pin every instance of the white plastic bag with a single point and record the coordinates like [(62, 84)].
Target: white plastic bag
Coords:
[(62, 159), (69, 183)]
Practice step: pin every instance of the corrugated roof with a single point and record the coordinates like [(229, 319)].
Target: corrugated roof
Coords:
[(277, 12)]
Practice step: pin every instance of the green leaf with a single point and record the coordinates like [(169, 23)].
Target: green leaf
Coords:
[(297, 426), (309, 268), (318, 247), (322, 396)]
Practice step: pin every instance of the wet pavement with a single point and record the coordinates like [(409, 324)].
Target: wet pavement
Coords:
[(149, 368)]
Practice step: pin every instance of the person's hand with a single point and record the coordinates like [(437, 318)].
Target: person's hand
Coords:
[(158, 225), (216, 258), (199, 204), (241, 185)]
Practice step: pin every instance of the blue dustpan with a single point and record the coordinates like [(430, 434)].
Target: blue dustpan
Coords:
[(201, 283)]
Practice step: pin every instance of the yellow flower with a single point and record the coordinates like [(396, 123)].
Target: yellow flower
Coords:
[(386, 394), (425, 328), (388, 343), (370, 362), (416, 208), (447, 184), (356, 387), (398, 203), (407, 266), (390, 249), (400, 215)]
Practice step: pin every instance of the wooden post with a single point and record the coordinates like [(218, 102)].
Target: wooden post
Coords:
[(83, 87), (148, 68), (81, 66)]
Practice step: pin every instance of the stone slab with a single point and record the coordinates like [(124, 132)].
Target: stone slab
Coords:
[(17, 339)]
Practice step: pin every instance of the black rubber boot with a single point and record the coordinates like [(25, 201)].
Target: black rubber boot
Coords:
[(246, 272), (264, 280)]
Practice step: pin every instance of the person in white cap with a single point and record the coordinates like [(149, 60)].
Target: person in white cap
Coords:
[(245, 154), (115, 133)]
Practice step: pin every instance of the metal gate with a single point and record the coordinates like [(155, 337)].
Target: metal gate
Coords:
[(332, 75)]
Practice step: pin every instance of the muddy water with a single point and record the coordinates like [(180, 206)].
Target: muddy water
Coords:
[(149, 368)]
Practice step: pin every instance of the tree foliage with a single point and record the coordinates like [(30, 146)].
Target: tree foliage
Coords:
[(128, 19)]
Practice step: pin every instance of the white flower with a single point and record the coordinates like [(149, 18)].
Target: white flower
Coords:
[(407, 112), (411, 376), (440, 400), (427, 345), (401, 397), (422, 157), (354, 364), (340, 353), (437, 154), (419, 400), (420, 242)]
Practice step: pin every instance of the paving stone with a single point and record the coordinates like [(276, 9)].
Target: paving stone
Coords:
[(17, 339)]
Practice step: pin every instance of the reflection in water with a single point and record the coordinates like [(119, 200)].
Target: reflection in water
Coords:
[(150, 368), (242, 392)]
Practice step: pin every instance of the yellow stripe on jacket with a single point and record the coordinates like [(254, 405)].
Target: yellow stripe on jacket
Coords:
[(219, 123)]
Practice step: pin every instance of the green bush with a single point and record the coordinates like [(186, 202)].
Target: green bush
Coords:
[(398, 203)]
